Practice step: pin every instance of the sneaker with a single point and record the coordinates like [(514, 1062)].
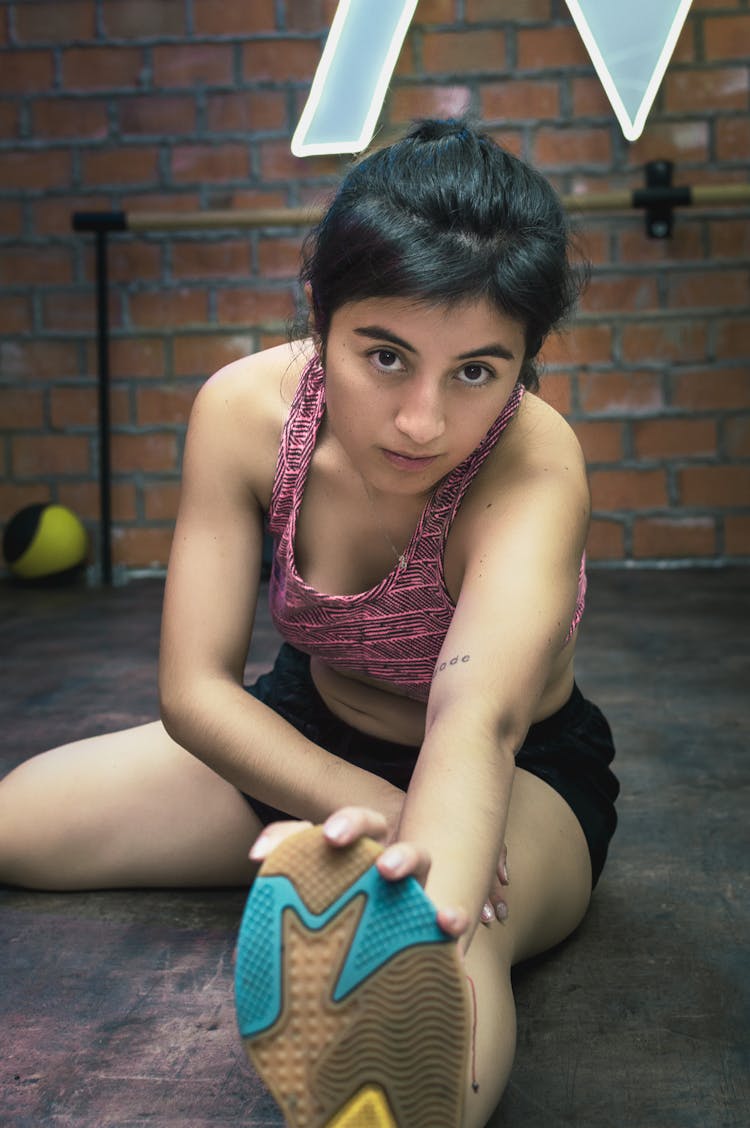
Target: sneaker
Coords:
[(351, 1000)]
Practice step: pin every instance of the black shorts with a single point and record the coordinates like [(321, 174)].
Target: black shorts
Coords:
[(571, 750)]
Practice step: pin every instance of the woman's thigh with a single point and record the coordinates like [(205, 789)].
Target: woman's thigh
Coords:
[(130, 808)]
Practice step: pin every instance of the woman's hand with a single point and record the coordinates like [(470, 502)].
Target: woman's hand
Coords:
[(398, 860), (495, 907)]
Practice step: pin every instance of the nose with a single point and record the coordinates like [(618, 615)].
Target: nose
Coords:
[(421, 412)]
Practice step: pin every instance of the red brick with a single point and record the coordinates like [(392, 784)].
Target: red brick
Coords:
[(517, 99), (566, 146), (661, 340), (173, 307), (155, 114), (733, 139), (11, 218), (464, 52), (72, 406), (120, 166), (192, 65), (310, 15), (672, 538), (9, 121), (70, 312), (164, 404), (14, 497), (141, 357), (152, 452), (21, 409), (25, 72), (132, 262), (436, 12), (278, 163), (549, 48), (254, 307), (724, 486), (737, 534), (593, 242), (729, 238), (590, 99), (628, 489), (221, 259), (517, 11), (726, 37), (101, 68), (706, 289), (200, 355), (160, 501), (142, 19), (711, 389), (203, 163), (684, 142), (554, 389), (670, 438), (53, 22), (621, 393), (83, 499), (405, 103), (626, 293), (211, 18), (141, 548), (279, 258), (280, 59), (733, 338), (53, 216), (22, 361), (601, 441), (30, 170), (68, 117), (161, 201), (34, 456), (15, 314), (606, 540), (249, 199), (44, 266), (582, 344), (685, 245), (692, 90), (737, 437), (246, 111)]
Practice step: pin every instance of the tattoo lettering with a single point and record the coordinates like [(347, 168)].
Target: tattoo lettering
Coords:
[(458, 659)]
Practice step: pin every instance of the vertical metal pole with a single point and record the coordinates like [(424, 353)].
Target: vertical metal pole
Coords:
[(102, 340)]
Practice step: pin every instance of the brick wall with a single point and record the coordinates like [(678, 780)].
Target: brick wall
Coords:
[(189, 104)]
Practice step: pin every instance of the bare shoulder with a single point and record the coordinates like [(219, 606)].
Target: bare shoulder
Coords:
[(545, 441), (239, 413)]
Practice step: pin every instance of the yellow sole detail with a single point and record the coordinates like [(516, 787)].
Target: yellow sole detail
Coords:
[(369, 1108)]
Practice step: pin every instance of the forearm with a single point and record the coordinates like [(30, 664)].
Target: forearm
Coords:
[(264, 756), (456, 809)]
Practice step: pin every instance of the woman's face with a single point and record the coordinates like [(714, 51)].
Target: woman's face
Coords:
[(411, 389)]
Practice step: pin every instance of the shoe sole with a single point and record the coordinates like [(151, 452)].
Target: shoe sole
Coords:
[(351, 1001)]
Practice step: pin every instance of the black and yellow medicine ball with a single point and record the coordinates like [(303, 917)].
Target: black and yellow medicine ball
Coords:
[(44, 540)]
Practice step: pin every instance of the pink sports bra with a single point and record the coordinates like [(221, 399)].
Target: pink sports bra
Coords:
[(394, 631)]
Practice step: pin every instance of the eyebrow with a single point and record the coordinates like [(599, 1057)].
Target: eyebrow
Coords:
[(378, 333)]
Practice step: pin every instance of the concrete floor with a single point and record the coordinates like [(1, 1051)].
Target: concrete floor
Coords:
[(116, 1007)]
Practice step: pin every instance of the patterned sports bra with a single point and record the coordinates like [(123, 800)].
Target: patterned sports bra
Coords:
[(394, 631)]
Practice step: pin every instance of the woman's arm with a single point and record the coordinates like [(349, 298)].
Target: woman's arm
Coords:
[(522, 558), (210, 599)]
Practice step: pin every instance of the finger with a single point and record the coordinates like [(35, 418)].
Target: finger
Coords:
[(350, 823), (502, 866), (272, 835), (497, 901), (404, 859), (455, 922)]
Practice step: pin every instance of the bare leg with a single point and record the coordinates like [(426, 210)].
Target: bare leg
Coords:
[(131, 808), (548, 895)]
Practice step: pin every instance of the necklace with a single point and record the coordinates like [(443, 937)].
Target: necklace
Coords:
[(399, 557)]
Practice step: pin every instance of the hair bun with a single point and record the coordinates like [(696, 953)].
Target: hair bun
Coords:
[(436, 129)]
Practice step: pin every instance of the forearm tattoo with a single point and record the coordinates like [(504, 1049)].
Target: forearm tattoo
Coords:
[(457, 660)]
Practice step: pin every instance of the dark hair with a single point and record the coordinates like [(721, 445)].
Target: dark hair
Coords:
[(442, 215)]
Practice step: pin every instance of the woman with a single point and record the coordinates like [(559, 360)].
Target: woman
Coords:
[(429, 517)]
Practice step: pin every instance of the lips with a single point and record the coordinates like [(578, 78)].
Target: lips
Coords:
[(408, 461)]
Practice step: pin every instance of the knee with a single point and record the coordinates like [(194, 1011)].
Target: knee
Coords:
[(24, 830)]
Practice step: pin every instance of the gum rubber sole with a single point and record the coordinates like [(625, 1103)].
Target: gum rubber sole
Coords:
[(351, 1001)]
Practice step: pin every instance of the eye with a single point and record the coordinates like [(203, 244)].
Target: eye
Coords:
[(475, 375), (386, 360)]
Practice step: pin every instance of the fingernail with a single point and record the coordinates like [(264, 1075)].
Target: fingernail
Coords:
[(259, 847), (501, 911), (487, 913), (337, 826), (392, 859), (506, 875)]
